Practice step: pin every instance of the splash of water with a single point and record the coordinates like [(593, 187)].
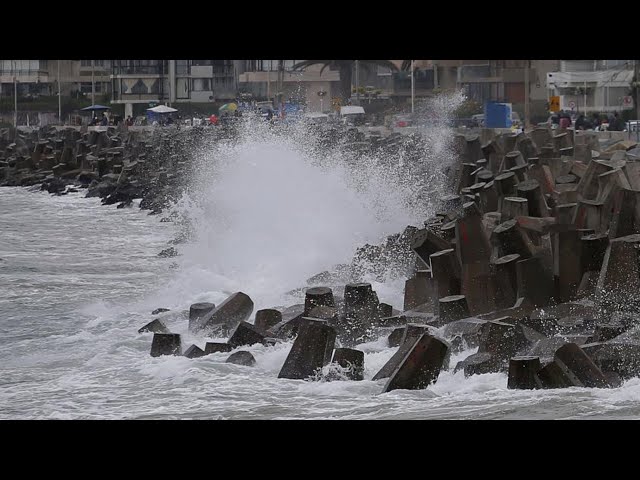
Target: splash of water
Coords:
[(272, 207)]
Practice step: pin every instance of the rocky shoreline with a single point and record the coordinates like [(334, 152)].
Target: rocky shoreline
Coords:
[(534, 260)]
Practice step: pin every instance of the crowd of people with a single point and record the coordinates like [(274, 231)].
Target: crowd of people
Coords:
[(595, 121)]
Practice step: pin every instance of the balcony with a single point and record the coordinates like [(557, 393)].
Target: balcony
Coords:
[(302, 76), (139, 70), (135, 98)]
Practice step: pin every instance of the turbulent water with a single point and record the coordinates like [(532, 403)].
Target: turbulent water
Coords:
[(78, 279)]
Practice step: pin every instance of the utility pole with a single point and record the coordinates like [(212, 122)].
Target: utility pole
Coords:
[(269, 80), (527, 93), (59, 98), (412, 87), (15, 94), (636, 74), (358, 82), (93, 83)]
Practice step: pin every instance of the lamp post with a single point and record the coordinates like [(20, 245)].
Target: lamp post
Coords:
[(527, 92), (357, 82), (413, 90), (321, 94), (15, 95), (59, 98), (93, 83)]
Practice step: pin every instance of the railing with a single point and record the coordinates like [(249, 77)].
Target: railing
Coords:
[(139, 70)]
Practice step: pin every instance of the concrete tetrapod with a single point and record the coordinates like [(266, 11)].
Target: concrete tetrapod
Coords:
[(311, 350), (420, 366)]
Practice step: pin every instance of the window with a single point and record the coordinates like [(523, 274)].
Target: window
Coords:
[(182, 67), (182, 88), (85, 87), (97, 63), (201, 85), (201, 63)]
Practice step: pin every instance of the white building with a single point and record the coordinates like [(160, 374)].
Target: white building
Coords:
[(592, 85)]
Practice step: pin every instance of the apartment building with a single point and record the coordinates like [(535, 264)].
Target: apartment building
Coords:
[(592, 85)]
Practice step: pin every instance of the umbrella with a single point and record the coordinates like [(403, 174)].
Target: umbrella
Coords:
[(93, 108), (161, 109), (232, 107)]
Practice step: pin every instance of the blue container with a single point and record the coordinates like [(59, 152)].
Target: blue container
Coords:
[(497, 115)]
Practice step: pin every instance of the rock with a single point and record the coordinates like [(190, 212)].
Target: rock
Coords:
[(410, 335), (165, 344), (617, 356), (420, 366), (501, 339), (155, 326), (168, 252), (535, 284), (267, 318), (246, 334), (506, 280), (224, 318), (425, 242), (468, 329), (457, 344), (567, 267), (352, 360), (215, 347), (270, 341), (418, 290), (198, 311), (619, 280), (395, 337), (360, 313), (316, 297), (546, 326), (553, 376), (523, 373), (325, 313), (481, 363), (446, 273), (452, 308), (160, 310), (574, 362), (385, 310), (311, 350), (608, 331), (242, 358), (194, 352)]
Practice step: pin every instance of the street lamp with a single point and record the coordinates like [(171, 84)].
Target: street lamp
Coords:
[(59, 98), (412, 87), (321, 94), (15, 94)]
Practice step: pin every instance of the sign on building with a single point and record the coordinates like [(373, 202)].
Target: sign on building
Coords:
[(627, 102), (554, 104)]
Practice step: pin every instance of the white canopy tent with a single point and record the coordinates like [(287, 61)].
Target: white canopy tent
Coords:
[(161, 109)]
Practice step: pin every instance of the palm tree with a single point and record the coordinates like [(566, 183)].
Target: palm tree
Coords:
[(346, 70)]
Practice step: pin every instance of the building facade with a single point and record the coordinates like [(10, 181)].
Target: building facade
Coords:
[(41, 77), (277, 80), (592, 85), (139, 83)]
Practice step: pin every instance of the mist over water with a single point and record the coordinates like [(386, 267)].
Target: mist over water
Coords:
[(264, 212)]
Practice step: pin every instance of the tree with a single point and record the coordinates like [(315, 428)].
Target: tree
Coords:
[(345, 68)]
